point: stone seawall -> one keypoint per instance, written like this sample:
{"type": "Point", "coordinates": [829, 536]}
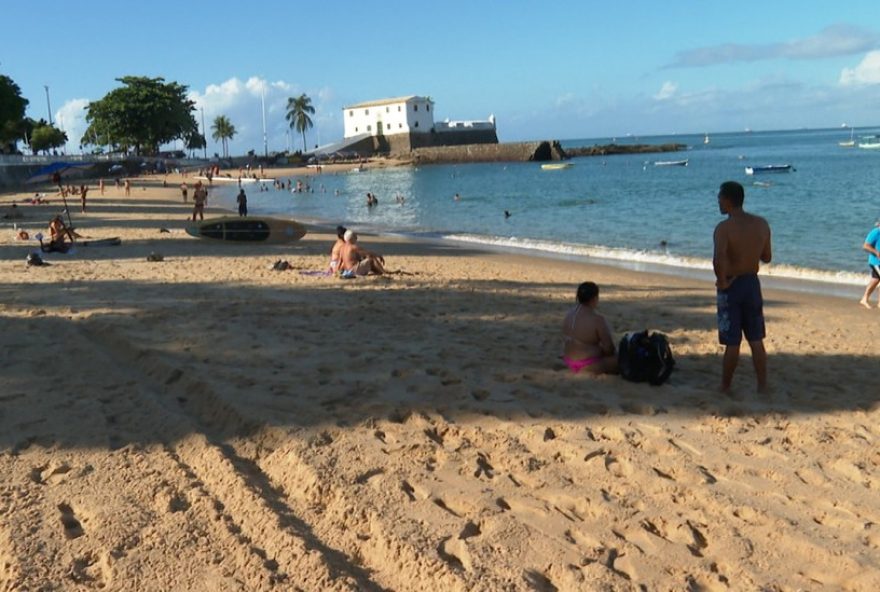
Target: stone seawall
{"type": "Point", "coordinates": [507, 152]}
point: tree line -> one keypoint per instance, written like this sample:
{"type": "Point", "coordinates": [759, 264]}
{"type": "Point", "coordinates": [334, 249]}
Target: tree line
{"type": "Point", "coordinates": [139, 116]}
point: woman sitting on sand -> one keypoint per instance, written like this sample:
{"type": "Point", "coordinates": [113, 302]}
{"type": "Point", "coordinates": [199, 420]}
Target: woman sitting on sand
{"type": "Point", "coordinates": [588, 341]}
{"type": "Point", "coordinates": [336, 251]}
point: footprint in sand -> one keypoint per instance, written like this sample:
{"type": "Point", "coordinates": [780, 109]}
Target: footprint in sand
{"type": "Point", "coordinates": [72, 527]}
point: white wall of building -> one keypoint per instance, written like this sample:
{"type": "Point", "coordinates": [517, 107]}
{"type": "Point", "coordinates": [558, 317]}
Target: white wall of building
{"type": "Point", "coordinates": [389, 117]}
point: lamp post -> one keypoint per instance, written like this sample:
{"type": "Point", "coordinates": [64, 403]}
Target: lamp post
{"type": "Point", "coordinates": [204, 134]}
{"type": "Point", "coordinates": [263, 105]}
{"type": "Point", "coordinates": [48, 106]}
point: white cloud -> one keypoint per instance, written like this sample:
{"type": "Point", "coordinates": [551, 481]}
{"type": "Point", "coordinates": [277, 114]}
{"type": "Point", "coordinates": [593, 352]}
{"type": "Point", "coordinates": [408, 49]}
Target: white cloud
{"type": "Point", "coordinates": [241, 102]}
{"type": "Point", "coordinates": [867, 72]}
{"type": "Point", "coordinates": [667, 91]}
{"type": "Point", "coordinates": [71, 118]}
{"type": "Point", "coordinates": [832, 41]}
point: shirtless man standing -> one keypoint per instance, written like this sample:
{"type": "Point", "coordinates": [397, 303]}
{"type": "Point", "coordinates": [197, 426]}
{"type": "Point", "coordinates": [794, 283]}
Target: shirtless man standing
{"type": "Point", "coordinates": [358, 260]}
{"type": "Point", "coordinates": [742, 242]}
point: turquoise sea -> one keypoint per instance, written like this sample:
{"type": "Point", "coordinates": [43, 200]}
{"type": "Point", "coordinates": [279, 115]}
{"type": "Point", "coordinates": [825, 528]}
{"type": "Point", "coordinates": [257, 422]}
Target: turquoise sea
{"type": "Point", "coordinates": [622, 207]}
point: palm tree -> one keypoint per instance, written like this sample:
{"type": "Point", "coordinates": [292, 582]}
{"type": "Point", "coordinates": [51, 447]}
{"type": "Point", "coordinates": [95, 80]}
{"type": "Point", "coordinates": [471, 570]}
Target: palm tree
{"type": "Point", "coordinates": [298, 111]}
{"type": "Point", "coordinates": [223, 130]}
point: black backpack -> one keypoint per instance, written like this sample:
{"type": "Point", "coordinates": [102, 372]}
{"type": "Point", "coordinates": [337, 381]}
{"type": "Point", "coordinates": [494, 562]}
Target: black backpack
{"type": "Point", "coordinates": [645, 358]}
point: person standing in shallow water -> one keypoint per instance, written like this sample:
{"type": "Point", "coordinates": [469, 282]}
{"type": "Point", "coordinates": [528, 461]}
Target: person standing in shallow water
{"type": "Point", "coordinates": [242, 203]}
{"type": "Point", "coordinates": [742, 243]}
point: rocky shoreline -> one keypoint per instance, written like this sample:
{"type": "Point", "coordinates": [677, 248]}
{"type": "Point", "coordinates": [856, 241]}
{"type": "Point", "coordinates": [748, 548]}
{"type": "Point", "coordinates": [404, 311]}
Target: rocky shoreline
{"type": "Point", "coordinates": [609, 149]}
{"type": "Point", "coordinates": [537, 151]}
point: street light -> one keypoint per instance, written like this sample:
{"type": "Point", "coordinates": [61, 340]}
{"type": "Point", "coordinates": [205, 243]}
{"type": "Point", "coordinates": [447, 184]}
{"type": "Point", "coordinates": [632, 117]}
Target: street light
{"type": "Point", "coordinates": [48, 106]}
{"type": "Point", "coordinates": [204, 134]}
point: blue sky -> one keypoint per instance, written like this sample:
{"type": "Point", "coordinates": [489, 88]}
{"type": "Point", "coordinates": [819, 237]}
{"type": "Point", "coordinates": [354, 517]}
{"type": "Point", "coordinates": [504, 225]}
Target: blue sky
{"type": "Point", "coordinates": [546, 71]}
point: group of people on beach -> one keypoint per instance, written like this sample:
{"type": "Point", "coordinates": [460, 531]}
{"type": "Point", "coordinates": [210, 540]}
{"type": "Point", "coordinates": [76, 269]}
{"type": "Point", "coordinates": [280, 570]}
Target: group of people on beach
{"type": "Point", "coordinates": [742, 243]}
{"type": "Point", "coordinates": [348, 259]}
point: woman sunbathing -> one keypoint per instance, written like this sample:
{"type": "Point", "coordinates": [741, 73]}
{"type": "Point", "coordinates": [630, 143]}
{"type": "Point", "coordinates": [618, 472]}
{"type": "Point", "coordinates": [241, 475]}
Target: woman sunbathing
{"type": "Point", "coordinates": [587, 335]}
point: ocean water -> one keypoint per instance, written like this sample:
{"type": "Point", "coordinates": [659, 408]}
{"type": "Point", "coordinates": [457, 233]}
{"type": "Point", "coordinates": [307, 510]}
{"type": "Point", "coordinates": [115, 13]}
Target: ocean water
{"type": "Point", "coordinates": [622, 207]}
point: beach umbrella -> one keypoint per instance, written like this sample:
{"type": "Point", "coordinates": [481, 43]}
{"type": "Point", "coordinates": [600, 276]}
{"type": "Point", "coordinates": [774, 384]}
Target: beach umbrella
{"type": "Point", "coordinates": [64, 169]}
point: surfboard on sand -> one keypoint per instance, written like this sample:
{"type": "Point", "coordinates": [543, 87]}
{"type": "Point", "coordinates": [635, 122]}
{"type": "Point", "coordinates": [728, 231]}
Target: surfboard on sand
{"type": "Point", "coordinates": [248, 230]}
{"type": "Point", "coordinates": [101, 242]}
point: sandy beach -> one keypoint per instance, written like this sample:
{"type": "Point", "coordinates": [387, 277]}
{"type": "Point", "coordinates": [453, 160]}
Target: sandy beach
{"type": "Point", "coordinates": [208, 423]}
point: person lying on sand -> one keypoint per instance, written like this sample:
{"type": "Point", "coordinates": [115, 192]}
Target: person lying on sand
{"type": "Point", "coordinates": [588, 343]}
{"type": "Point", "coordinates": [358, 260]}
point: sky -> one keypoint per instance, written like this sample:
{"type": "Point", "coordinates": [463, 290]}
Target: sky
{"type": "Point", "coordinates": [561, 70]}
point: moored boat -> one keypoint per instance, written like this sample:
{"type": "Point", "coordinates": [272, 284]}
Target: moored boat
{"type": "Point", "coordinates": [770, 168]}
{"type": "Point", "coordinates": [556, 166]}
{"type": "Point", "coordinates": [671, 162]}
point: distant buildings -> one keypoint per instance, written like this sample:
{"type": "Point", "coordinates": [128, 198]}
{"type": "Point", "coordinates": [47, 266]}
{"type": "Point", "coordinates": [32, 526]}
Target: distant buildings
{"type": "Point", "coordinates": [403, 123]}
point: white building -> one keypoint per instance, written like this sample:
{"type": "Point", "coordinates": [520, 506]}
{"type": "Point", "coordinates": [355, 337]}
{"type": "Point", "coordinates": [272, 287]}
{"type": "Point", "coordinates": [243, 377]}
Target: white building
{"type": "Point", "coordinates": [400, 115]}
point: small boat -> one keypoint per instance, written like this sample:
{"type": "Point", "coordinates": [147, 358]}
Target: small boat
{"type": "Point", "coordinates": [869, 143]}
{"type": "Point", "coordinates": [706, 139]}
{"type": "Point", "coordinates": [770, 168]}
{"type": "Point", "coordinates": [671, 162]}
{"type": "Point", "coordinates": [248, 230]}
{"type": "Point", "coordinates": [848, 143]}
{"type": "Point", "coordinates": [556, 166]}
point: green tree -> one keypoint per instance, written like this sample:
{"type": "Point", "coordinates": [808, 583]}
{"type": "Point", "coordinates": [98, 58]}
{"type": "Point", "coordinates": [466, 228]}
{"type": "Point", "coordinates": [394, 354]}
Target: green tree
{"type": "Point", "coordinates": [12, 107]}
{"type": "Point", "coordinates": [298, 111]}
{"type": "Point", "coordinates": [46, 136]}
{"type": "Point", "coordinates": [195, 141]}
{"type": "Point", "coordinates": [223, 130]}
{"type": "Point", "coordinates": [143, 114]}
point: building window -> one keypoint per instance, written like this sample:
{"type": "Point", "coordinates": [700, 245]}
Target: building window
{"type": "Point", "coordinates": [369, 128]}
{"type": "Point", "coordinates": [387, 109]}
{"type": "Point", "coordinates": [387, 126]}
{"type": "Point", "coordinates": [398, 108]}
{"type": "Point", "coordinates": [416, 124]}
{"type": "Point", "coordinates": [400, 126]}
{"type": "Point", "coordinates": [415, 107]}
{"type": "Point", "coordinates": [351, 113]}
{"type": "Point", "coordinates": [427, 107]}
{"type": "Point", "coordinates": [355, 130]}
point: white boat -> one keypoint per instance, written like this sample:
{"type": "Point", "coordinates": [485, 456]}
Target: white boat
{"type": "Point", "coordinates": [851, 142]}
{"type": "Point", "coordinates": [706, 139]}
{"type": "Point", "coordinates": [671, 162]}
{"type": "Point", "coordinates": [770, 168]}
{"type": "Point", "coordinates": [869, 142]}
{"type": "Point", "coordinates": [556, 166]}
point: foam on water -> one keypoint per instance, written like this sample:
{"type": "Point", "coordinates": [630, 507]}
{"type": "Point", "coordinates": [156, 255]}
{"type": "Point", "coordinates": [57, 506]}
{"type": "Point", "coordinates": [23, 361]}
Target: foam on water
{"type": "Point", "coordinates": [647, 258]}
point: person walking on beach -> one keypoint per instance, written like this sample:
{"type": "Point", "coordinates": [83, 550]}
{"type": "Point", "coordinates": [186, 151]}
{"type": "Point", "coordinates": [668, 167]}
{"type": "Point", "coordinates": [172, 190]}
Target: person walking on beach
{"type": "Point", "coordinates": [242, 203]}
{"type": "Point", "coordinates": [184, 191]}
{"type": "Point", "coordinates": [127, 187]}
{"type": "Point", "coordinates": [872, 245]}
{"type": "Point", "coordinates": [82, 196]}
{"type": "Point", "coordinates": [101, 186]}
{"type": "Point", "coordinates": [200, 198]}
{"type": "Point", "coordinates": [742, 242]}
